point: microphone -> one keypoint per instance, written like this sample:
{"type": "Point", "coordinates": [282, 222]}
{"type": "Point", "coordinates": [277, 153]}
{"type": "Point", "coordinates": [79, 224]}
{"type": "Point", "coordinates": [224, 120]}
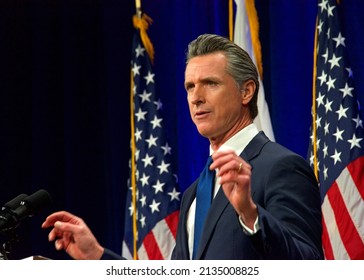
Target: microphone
{"type": "Point", "coordinates": [13, 204]}
{"type": "Point", "coordinates": [22, 206]}
{"type": "Point", "coordinates": [8, 208]}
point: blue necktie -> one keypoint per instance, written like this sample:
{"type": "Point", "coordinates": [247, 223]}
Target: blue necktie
{"type": "Point", "coordinates": [203, 201]}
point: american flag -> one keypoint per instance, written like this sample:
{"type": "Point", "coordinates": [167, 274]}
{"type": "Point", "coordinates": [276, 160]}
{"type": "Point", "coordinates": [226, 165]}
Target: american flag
{"type": "Point", "coordinates": [153, 203]}
{"type": "Point", "coordinates": [337, 146]}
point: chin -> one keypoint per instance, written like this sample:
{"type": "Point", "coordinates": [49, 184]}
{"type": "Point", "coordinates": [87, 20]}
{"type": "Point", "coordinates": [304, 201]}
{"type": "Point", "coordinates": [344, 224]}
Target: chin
{"type": "Point", "coordinates": [204, 133]}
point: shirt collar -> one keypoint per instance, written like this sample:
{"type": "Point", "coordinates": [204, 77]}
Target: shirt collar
{"type": "Point", "coordinates": [240, 140]}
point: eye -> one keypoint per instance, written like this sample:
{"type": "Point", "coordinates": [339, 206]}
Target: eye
{"type": "Point", "coordinates": [211, 84]}
{"type": "Point", "coordinates": [189, 87]}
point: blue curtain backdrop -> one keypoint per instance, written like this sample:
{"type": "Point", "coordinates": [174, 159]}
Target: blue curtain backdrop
{"type": "Point", "coordinates": [64, 96]}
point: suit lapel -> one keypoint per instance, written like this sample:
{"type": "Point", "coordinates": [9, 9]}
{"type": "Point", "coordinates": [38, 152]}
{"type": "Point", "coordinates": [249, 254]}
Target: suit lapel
{"type": "Point", "coordinates": [220, 202]}
{"type": "Point", "coordinates": [218, 205]}
{"type": "Point", "coordinates": [189, 196]}
{"type": "Point", "coordinates": [254, 147]}
{"type": "Point", "coordinates": [253, 150]}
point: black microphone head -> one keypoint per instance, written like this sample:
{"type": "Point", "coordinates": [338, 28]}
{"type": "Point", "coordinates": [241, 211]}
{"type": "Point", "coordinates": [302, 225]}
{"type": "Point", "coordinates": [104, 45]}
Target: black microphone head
{"type": "Point", "coordinates": [15, 202]}
{"type": "Point", "coordinates": [37, 201]}
{"type": "Point", "coordinates": [8, 217]}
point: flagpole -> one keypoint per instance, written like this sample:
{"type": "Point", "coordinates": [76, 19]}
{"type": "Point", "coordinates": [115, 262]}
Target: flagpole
{"type": "Point", "coordinates": [231, 19]}
{"type": "Point", "coordinates": [138, 7]}
{"type": "Point", "coordinates": [133, 150]}
{"type": "Point", "coordinates": [314, 115]}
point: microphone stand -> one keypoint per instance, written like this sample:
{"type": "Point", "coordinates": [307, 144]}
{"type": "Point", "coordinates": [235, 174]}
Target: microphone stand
{"type": "Point", "coordinates": [7, 243]}
{"type": "Point", "coordinates": [3, 255]}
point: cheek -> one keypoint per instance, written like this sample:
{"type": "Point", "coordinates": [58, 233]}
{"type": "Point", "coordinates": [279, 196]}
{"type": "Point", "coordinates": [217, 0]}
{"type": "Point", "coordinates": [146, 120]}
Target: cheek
{"type": "Point", "coordinates": [228, 106]}
{"type": "Point", "coordinates": [189, 101]}
{"type": "Point", "coordinates": [227, 112]}
{"type": "Point", "coordinates": [190, 106]}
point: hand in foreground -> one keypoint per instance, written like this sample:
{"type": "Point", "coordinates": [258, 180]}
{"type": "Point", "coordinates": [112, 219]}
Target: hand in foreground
{"type": "Point", "coordinates": [234, 175]}
{"type": "Point", "coordinates": [73, 235]}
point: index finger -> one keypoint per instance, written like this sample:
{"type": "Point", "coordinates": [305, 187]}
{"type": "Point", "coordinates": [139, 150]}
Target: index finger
{"type": "Point", "coordinates": [222, 157]}
{"type": "Point", "coordinates": [62, 216]}
{"type": "Point", "coordinates": [222, 152]}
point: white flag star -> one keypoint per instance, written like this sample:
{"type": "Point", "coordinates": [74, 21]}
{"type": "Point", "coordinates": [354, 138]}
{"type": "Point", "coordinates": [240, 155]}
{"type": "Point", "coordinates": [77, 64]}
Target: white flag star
{"type": "Point", "coordinates": [142, 221]}
{"type": "Point", "coordinates": [328, 105]}
{"type": "Point", "coordinates": [342, 112]}
{"type": "Point", "coordinates": [336, 157]}
{"type": "Point", "coordinates": [158, 187]}
{"type": "Point", "coordinates": [149, 78]}
{"type": "Point", "coordinates": [330, 83]}
{"type": "Point", "coordinates": [339, 40]}
{"type": "Point", "coordinates": [320, 100]}
{"type": "Point", "coordinates": [138, 134]}
{"type": "Point", "coordinates": [145, 96]}
{"type": "Point", "coordinates": [174, 194]}
{"type": "Point", "coordinates": [143, 200]}
{"type": "Point", "coordinates": [334, 61]}
{"type": "Point", "coordinates": [346, 90]}
{"type": "Point", "coordinates": [156, 122]}
{"type": "Point", "coordinates": [322, 78]}
{"type": "Point", "coordinates": [163, 167]}
{"type": "Point", "coordinates": [135, 69]}
{"type": "Point", "coordinates": [147, 160]}
{"type": "Point", "coordinates": [354, 142]}
{"type": "Point", "coordinates": [139, 51]}
{"type": "Point", "coordinates": [152, 141]}
{"type": "Point", "coordinates": [141, 115]}
{"type": "Point", "coordinates": [338, 134]}
{"type": "Point", "coordinates": [144, 180]}
{"type": "Point", "coordinates": [154, 206]}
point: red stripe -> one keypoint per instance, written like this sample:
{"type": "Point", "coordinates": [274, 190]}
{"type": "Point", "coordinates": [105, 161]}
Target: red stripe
{"type": "Point", "coordinates": [150, 243]}
{"type": "Point", "coordinates": [172, 222]}
{"type": "Point", "coordinates": [356, 170]}
{"type": "Point", "coordinates": [152, 248]}
{"type": "Point", "coordinates": [326, 244]}
{"type": "Point", "coordinates": [349, 235]}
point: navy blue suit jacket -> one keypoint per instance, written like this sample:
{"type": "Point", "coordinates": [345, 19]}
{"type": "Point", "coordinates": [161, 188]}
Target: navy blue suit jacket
{"type": "Point", "coordinates": [287, 195]}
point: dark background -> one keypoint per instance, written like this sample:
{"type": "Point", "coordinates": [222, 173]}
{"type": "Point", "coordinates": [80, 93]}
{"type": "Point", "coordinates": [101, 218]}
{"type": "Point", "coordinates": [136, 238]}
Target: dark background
{"type": "Point", "coordinates": [64, 96]}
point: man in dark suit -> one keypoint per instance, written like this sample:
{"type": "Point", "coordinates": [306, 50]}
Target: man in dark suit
{"type": "Point", "coordinates": [265, 200]}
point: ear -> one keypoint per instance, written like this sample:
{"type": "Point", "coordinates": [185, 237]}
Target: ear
{"type": "Point", "coordinates": [247, 90]}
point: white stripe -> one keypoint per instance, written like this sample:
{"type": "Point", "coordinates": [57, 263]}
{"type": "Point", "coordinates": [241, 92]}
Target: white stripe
{"type": "Point", "coordinates": [242, 37]}
{"type": "Point", "coordinates": [353, 200]}
{"type": "Point", "coordinates": [164, 239]}
{"type": "Point", "coordinates": [142, 253]}
{"type": "Point", "coordinates": [337, 245]}
{"type": "Point", "coordinates": [125, 252]}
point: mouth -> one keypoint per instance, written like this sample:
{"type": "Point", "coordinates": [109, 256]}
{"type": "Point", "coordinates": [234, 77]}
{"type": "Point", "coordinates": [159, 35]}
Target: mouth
{"type": "Point", "coordinates": [201, 114]}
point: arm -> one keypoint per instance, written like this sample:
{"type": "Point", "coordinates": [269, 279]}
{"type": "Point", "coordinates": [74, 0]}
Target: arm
{"type": "Point", "coordinates": [286, 202]}
{"type": "Point", "coordinates": [73, 235]}
{"type": "Point", "coordinates": [290, 211]}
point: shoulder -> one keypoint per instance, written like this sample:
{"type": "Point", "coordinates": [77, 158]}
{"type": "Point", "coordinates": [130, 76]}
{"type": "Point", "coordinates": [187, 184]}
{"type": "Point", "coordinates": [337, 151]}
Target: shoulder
{"type": "Point", "coordinates": [262, 146]}
{"type": "Point", "coordinates": [274, 156]}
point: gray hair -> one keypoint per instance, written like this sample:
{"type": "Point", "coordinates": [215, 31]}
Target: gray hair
{"type": "Point", "coordinates": [239, 64]}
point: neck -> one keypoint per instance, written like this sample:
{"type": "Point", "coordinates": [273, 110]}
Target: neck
{"type": "Point", "coordinates": [217, 142]}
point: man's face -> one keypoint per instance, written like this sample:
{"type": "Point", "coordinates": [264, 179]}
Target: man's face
{"type": "Point", "coordinates": [214, 98]}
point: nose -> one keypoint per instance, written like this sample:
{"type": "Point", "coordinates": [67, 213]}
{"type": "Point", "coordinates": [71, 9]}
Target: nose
{"type": "Point", "coordinates": [197, 95]}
